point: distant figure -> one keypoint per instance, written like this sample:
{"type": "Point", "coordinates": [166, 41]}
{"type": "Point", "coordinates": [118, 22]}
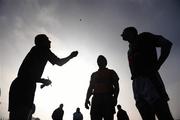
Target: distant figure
{"type": "Point", "coordinates": [149, 90]}
{"type": "Point", "coordinates": [77, 115]}
{"type": "Point", "coordinates": [58, 113]}
{"type": "Point", "coordinates": [0, 95]}
{"type": "Point", "coordinates": [22, 89]}
{"type": "Point", "coordinates": [36, 119]}
{"type": "Point", "coordinates": [104, 87]}
{"type": "Point", "coordinates": [121, 114]}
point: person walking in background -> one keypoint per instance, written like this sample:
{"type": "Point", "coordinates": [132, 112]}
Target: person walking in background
{"type": "Point", "coordinates": [0, 95]}
{"type": "Point", "coordinates": [58, 113]}
{"type": "Point", "coordinates": [22, 89]}
{"type": "Point", "coordinates": [104, 87]}
{"type": "Point", "coordinates": [148, 88]}
{"type": "Point", "coordinates": [121, 114]}
{"type": "Point", "coordinates": [77, 115]}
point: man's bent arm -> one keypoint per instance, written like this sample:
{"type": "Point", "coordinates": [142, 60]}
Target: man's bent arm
{"type": "Point", "coordinates": [165, 50]}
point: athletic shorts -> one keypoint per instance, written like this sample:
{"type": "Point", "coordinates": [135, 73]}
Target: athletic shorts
{"type": "Point", "coordinates": [144, 89]}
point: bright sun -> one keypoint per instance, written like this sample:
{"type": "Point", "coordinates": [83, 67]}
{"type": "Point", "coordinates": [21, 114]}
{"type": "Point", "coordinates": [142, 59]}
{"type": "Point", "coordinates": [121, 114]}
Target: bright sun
{"type": "Point", "coordinates": [69, 86]}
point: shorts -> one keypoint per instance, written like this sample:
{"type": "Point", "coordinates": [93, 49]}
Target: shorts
{"type": "Point", "coordinates": [102, 105]}
{"type": "Point", "coordinates": [144, 89]}
{"type": "Point", "coordinates": [21, 94]}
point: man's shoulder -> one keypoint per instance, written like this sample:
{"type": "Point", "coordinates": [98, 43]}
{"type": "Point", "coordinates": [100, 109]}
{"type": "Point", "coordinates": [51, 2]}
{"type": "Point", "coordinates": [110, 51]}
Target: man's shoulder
{"type": "Point", "coordinates": [122, 111]}
{"type": "Point", "coordinates": [111, 70]}
{"type": "Point", "coordinates": [94, 73]}
{"type": "Point", "coordinates": [106, 70]}
{"type": "Point", "coordinates": [145, 35]}
{"type": "Point", "coordinates": [40, 50]}
{"type": "Point", "coordinates": [58, 109]}
{"type": "Point", "coordinates": [146, 38]}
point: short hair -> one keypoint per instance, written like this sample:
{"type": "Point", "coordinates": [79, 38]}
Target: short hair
{"type": "Point", "coordinates": [78, 109]}
{"type": "Point", "coordinates": [61, 105]}
{"type": "Point", "coordinates": [40, 39]}
{"type": "Point", "coordinates": [132, 30]}
{"type": "Point", "coordinates": [101, 61]}
{"type": "Point", "coordinates": [119, 106]}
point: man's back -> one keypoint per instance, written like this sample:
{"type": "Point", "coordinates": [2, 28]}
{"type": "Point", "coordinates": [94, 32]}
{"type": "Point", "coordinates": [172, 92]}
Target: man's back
{"type": "Point", "coordinates": [122, 115]}
{"type": "Point", "coordinates": [142, 54]}
{"type": "Point", "coordinates": [34, 63]}
{"type": "Point", "coordinates": [58, 114]}
{"type": "Point", "coordinates": [77, 116]}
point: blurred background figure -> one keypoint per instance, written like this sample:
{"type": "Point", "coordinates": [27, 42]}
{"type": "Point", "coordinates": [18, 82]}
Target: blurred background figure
{"type": "Point", "coordinates": [58, 113]}
{"type": "Point", "coordinates": [121, 114]}
{"type": "Point", "coordinates": [0, 95]}
{"type": "Point", "coordinates": [77, 115]}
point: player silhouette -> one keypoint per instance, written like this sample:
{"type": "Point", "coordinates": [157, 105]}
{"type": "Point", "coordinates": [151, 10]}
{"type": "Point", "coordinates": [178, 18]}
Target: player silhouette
{"type": "Point", "coordinates": [22, 89]}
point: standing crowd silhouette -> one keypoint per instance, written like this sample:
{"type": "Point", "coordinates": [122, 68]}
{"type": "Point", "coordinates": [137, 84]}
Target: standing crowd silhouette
{"type": "Point", "coordinates": [102, 94]}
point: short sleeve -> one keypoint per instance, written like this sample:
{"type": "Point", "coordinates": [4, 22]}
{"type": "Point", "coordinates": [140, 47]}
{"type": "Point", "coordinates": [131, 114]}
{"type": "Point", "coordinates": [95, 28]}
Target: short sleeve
{"type": "Point", "coordinates": [114, 76]}
{"type": "Point", "coordinates": [155, 40]}
{"type": "Point", "coordinates": [92, 80]}
{"type": "Point", "coordinates": [161, 41]}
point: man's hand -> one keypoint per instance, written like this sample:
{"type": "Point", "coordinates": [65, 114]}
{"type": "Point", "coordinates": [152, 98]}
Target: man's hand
{"type": "Point", "coordinates": [87, 104]}
{"type": "Point", "coordinates": [46, 82]}
{"type": "Point", "coordinates": [74, 54]}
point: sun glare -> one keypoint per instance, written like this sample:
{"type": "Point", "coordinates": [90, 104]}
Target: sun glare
{"type": "Point", "coordinates": [69, 86]}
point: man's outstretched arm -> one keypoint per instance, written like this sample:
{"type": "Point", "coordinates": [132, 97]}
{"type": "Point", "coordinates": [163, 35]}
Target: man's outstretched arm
{"type": "Point", "coordinates": [63, 61]}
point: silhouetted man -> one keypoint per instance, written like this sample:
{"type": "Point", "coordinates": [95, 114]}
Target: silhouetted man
{"type": "Point", "coordinates": [121, 114]}
{"type": "Point", "coordinates": [104, 87]}
{"type": "Point", "coordinates": [77, 115]}
{"type": "Point", "coordinates": [0, 95]}
{"type": "Point", "coordinates": [22, 90]}
{"type": "Point", "coordinates": [149, 91]}
{"type": "Point", "coordinates": [58, 113]}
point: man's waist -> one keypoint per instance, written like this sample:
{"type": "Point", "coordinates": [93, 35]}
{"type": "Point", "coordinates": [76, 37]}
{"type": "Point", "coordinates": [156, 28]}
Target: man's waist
{"type": "Point", "coordinates": [103, 88]}
{"type": "Point", "coordinates": [140, 75]}
{"type": "Point", "coordinates": [102, 94]}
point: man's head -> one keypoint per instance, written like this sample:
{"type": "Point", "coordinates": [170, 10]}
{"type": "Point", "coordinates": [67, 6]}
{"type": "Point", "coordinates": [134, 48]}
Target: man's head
{"type": "Point", "coordinates": [61, 106]}
{"type": "Point", "coordinates": [41, 40]}
{"type": "Point", "coordinates": [118, 107]}
{"type": "Point", "coordinates": [101, 61]}
{"type": "Point", "coordinates": [78, 109]}
{"type": "Point", "coordinates": [129, 34]}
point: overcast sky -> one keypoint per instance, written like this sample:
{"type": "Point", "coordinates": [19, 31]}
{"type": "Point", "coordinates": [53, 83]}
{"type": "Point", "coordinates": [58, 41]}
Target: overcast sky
{"type": "Point", "coordinates": [92, 27]}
